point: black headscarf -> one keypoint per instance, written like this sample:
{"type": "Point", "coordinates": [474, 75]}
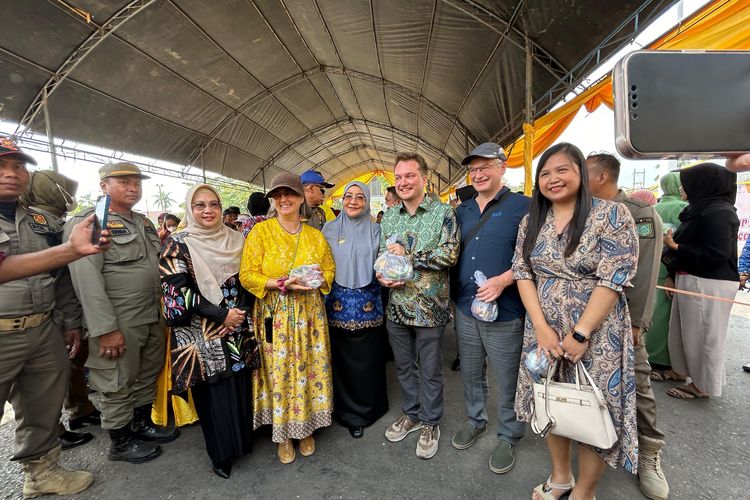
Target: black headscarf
{"type": "Point", "coordinates": [707, 184]}
{"type": "Point", "coordinates": [258, 204]}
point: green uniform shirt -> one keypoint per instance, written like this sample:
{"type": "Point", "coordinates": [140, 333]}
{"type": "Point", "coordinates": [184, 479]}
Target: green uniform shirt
{"type": "Point", "coordinates": [432, 238]}
{"type": "Point", "coordinates": [649, 226]}
{"type": "Point", "coordinates": [120, 287]}
{"type": "Point", "coordinates": [32, 231]}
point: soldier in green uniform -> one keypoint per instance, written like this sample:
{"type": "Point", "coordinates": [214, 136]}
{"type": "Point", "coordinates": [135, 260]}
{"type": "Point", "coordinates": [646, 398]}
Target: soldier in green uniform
{"type": "Point", "coordinates": [604, 172]}
{"type": "Point", "coordinates": [120, 293]}
{"type": "Point", "coordinates": [33, 359]}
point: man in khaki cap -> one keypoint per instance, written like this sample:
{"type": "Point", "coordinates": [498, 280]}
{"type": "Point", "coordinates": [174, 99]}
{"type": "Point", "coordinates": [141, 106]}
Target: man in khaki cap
{"type": "Point", "coordinates": [33, 359]}
{"type": "Point", "coordinates": [120, 293]}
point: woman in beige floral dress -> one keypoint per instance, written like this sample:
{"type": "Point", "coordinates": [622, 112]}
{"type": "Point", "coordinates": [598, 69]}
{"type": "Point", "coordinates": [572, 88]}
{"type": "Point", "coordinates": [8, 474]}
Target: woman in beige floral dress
{"type": "Point", "coordinates": [574, 255]}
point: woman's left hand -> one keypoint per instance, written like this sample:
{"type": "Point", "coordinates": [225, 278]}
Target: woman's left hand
{"type": "Point", "coordinates": [573, 349]}
{"type": "Point", "coordinates": [294, 285]}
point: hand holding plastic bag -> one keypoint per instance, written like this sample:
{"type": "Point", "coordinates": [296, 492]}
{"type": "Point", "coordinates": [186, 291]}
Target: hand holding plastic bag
{"type": "Point", "coordinates": [483, 311]}
{"type": "Point", "coordinates": [308, 275]}
{"type": "Point", "coordinates": [537, 365]}
{"type": "Point", "coordinates": [394, 267]}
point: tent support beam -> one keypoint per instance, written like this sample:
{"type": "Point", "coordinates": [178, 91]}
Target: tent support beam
{"type": "Point", "coordinates": [101, 32]}
{"type": "Point", "coordinates": [31, 143]}
{"type": "Point", "coordinates": [507, 31]}
{"type": "Point", "coordinates": [48, 128]}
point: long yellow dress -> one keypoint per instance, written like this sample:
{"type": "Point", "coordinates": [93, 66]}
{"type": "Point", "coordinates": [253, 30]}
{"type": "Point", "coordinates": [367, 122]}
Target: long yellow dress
{"type": "Point", "coordinates": [292, 390]}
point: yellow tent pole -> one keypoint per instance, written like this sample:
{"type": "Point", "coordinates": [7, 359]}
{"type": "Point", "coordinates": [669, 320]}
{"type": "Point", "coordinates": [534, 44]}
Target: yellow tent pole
{"type": "Point", "coordinates": [528, 157]}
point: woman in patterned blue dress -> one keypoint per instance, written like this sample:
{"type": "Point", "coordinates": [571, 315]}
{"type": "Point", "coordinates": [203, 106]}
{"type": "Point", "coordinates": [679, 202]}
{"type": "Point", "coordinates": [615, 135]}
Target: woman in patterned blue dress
{"type": "Point", "coordinates": [355, 315]}
{"type": "Point", "coordinates": [574, 255]}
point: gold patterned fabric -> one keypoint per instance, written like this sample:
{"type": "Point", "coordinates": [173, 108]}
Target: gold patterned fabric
{"type": "Point", "coordinates": [292, 390]}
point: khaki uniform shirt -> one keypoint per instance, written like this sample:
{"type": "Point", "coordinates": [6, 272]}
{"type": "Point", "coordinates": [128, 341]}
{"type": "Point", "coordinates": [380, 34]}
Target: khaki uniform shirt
{"type": "Point", "coordinates": [32, 231]}
{"type": "Point", "coordinates": [641, 296]}
{"type": "Point", "coordinates": [120, 287]}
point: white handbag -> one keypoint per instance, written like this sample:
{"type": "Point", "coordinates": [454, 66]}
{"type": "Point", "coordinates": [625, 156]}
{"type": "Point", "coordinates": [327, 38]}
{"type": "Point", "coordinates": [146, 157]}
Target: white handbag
{"type": "Point", "coordinates": [575, 411]}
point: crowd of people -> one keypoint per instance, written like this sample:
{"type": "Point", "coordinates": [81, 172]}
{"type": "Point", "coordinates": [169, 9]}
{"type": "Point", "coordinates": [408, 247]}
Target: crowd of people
{"type": "Point", "coordinates": [278, 318]}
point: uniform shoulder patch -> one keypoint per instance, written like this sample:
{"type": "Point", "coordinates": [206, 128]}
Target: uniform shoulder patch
{"type": "Point", "coordinates": [645, 227]}
{"type": "Point", "coordinates": [39, 219]}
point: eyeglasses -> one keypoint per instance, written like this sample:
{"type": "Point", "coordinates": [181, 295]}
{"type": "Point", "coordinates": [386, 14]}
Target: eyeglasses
{"type": "Point", "coordinates": [479, 170]}
{"type": "Point", "coordinates": [200, 206]}
{"type": "Point", "coordinates": [359, 197]}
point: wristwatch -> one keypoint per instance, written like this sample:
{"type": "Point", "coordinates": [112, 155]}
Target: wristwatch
{"type": "Point", "coordinates": [578, 336]}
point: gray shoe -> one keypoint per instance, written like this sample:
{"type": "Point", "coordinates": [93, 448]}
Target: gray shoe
{"type": "Point", "coordinates": [400, 428]}
{"type": "Point", "coordinates": [503, 457]}
{"type": "Point", "coordinates": [467, 436]}
{"type": "Point", "coordinates": [427, 445]}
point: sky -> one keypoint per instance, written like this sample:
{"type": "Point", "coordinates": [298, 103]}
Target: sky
{"type": "Point", "coordinates": [589, 131]}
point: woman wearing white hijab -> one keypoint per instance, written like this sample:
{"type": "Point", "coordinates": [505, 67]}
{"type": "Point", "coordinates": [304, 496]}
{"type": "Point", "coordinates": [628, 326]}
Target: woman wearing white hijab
{"type": "Point", "coordinates": [212, 345]}
{"type": "Point", "coordinates": [355, 315]}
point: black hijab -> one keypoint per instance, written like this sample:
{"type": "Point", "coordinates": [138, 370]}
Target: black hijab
{"type": "Point", "coordinates": [707, 184]}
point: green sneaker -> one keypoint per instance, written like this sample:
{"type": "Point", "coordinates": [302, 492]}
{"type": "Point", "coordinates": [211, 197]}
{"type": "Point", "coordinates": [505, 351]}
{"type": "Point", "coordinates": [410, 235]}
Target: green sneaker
{"type": "Point", "coordinates": [503, 457]}
{"type": "Point", "coordinates": [467, 436]}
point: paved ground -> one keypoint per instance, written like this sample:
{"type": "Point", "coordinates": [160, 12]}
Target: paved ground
{"type": "Point", "coordinates": [706, 455]}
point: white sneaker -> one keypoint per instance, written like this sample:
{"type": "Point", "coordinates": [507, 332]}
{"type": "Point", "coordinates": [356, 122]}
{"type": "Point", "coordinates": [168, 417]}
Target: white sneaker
{"type": "Point", "coordinates": [427, 445]}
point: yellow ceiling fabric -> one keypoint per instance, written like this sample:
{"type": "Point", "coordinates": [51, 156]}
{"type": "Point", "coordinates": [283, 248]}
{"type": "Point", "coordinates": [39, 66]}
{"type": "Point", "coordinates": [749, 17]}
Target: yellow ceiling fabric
{"type": "Point", "coordinates": [721, 25]}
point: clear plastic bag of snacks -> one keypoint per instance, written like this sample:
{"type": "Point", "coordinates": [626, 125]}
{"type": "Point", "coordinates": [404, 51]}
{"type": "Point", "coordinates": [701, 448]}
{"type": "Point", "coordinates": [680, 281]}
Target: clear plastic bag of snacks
{"type": "Point", "coordinates": [394, 267]}
{"type": "Point", "coordinates": [537, 364]}
{"type": "Point", "coordinates": [483, 311]}
{"type": "Point", "coordinates": [308, 275]}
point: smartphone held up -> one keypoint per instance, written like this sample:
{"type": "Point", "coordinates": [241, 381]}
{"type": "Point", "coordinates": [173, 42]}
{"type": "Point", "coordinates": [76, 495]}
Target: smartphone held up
{"type": "Point", "coordinates": [682, 104]}
{"type": "Point", "coordinates": [101, 212]}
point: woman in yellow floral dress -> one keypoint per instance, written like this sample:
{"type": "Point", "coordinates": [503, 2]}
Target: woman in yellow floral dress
{"type": "Point", "coordinates": [292, 390]}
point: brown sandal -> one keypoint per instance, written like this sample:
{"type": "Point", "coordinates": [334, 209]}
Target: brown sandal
{"type": "Point", "coordinates": [685, 392]}
{"type": "Point", "coordinates": [665, 375]}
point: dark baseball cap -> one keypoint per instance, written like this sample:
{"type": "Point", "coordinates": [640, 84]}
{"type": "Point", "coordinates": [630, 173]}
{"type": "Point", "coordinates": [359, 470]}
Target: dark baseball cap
{"type": "Point", "coordinates": [231, 210]}
{"type": "Point", "coordinates": [486, 150]}
{"type": "Point", "coordinates": [9, 148]}
{"type": "Point", "coordinates": [315, 177]}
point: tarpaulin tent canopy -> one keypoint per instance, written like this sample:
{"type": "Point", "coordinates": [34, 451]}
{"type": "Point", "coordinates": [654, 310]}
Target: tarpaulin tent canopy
{"type": "Point", "coordinates": [247, 88]}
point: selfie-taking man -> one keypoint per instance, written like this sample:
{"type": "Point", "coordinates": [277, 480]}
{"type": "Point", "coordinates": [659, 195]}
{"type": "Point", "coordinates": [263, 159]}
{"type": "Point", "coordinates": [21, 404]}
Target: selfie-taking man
{"type": "Point", "coordinates": [33, 355]}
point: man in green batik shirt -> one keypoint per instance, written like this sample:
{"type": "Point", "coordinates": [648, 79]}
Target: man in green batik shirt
{"type": "Point", "coordinates": [418, 310]}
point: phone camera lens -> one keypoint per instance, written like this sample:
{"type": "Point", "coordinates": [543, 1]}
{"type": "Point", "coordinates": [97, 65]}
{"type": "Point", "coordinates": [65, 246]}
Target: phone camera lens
{"type": "Point", "coordinates": [634, 96]}
{"type": "Point", "coordinates": [635, 116]}
{"type": "Point", "coordinates": [633, 105]}
{"type": "Point", "coordinates": [633, 88]}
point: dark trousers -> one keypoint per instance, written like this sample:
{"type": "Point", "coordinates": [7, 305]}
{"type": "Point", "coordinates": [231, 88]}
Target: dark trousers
{"type": "Point", "coordinates": [418, 355]}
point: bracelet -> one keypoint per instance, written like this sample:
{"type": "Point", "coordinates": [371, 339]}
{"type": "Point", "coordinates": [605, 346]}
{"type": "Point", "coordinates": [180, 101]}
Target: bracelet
{"type": "Point", "coordinates": [280, 282]}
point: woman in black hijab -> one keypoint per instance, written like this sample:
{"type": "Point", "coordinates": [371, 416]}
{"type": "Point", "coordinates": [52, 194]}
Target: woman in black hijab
{"type": "Point", "coordinates": [701, 257]}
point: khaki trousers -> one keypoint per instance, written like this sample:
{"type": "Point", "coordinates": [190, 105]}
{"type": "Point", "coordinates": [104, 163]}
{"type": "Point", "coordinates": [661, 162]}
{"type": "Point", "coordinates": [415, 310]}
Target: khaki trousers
{"type": "Point", "coordinates": [130, 381]}
{"type": "Point", "coordinates": [33, 363]}
{"type": "Point", "coordinates": [644, 394]}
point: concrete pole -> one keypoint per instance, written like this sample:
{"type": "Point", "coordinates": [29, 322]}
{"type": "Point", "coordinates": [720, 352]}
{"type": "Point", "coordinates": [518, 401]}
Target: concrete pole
{"type": "Point", "coordinates": [48, 127]}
